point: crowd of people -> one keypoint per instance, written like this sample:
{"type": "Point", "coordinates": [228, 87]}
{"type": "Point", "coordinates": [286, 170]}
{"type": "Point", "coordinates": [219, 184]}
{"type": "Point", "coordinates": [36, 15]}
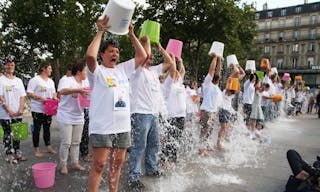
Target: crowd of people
{"type": "Point", "coordinates": [131, 101]}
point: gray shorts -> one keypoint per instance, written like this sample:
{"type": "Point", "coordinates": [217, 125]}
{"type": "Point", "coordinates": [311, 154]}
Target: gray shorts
{"type": "Point", "coordinates": [119, 140]}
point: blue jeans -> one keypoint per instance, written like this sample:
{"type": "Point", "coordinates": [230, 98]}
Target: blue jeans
{"type": "Point", "coordinates": [145, 138]}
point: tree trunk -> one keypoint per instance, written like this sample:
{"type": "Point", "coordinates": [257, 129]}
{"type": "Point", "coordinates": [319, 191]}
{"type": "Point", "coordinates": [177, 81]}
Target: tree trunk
{"type": "Point", "coordinates": [56, 70]}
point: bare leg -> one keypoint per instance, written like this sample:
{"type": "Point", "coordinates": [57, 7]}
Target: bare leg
{"type": "Point", "coordinates": [221, 135]}
{"type": "Point", "coordinates": [99, 156]}
{"type": "Point", "coordinates": [117, 158]}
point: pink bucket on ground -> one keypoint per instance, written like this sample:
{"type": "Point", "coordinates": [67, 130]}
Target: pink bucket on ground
{"type": "Point", "coordinates": [286, 76]}
{"type": "Point", "coordinates": [175, 46]}
{"type": "Point", "coordinates": [51, 106]}
{"type": "Point", "coordinates": [44, 174]}
{"type": "Point", "coordinates": [84, 99]}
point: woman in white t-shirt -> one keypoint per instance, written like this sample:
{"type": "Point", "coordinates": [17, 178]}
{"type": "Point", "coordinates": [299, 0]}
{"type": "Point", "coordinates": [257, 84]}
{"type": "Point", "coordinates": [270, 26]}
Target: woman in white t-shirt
{"type": "Point", "coordinates": [70, 117]}
{"type": "Point", "coordinates": [192, 100]}
{"type": "Point", "coordinates": [40, 88]}
{"type": "Point", "coordinates": [109, 126]}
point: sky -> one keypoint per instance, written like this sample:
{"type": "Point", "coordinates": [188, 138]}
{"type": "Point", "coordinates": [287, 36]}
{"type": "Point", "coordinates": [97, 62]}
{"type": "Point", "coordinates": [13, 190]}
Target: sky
{"type": "Point", "coordinates": [272, 4]}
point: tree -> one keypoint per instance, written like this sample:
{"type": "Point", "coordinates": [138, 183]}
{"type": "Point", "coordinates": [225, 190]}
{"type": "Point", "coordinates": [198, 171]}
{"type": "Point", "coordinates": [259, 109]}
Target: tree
{"type": "Point", "coordinates": [200, 22]}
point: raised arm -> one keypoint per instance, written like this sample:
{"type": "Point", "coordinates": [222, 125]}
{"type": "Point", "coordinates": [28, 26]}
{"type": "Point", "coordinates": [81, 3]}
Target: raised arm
{"type": "Point", "coordinates": [93, 49]}
{"type": "Point", "coordinates": [147, 46]}
{"type": "Point", "coordinates": [181, 69]}
{"type": "Point", "coordinates": [213, 65]}
{"type": "Point", "coordinates": [242, 72]}
{"type": "Point", "coordinates": [168, 60]}
{"type": "Point", "coordinates": [140, 53]}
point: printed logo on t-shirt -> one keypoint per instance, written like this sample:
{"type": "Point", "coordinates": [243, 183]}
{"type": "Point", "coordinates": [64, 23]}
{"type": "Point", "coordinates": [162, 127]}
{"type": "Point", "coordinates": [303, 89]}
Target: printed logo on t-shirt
{"type": "Point", "coordinates": [120, 99]}
{"type": "Point", "coordinates": [110, 82]}
{"type": "Point", "coordinates": [8, 87]}
{"type": "Point", "coordinates": [179, 90]}
{"type": "Point", "coordinates": [43, 89]}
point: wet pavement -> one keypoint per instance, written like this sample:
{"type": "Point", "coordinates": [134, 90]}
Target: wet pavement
{"type": "Point", "coordinates": [246, 166]}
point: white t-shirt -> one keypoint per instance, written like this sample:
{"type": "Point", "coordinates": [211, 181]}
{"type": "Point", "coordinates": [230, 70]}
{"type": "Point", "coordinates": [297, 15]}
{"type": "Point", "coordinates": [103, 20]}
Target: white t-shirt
{"type": "Point", "coordinates": [43, 88]}
{"type": "Point", "coordinates": [175, 97]}
{"type": "Point", "coordinates": [12, 90]}
{"type": "Point", "coordinates": [69, 109]}
{"type": "Point", "coordinates": [226, 102]}
{"type": "Point", "coordinates": [145, 90]}
{"type": "Point", "coordinates": [109, 99]}
{"type": "Point", "coordinates": [192, 107]}
{"type": "Point", "coordinates": [248, 94]}
{"type": "Point", "coordinates": [264, 102]}
{"type": "Point", "coordinates": [299, 96]}
{"type": "Point", "coordinates": [212, 95]}
{"type": "Point", "coordinates": [272, 89]}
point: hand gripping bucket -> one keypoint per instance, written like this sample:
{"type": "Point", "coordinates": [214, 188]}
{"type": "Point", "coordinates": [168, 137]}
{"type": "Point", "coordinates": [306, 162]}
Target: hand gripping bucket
{"type": "Point", "coordinates": [217, 47]}
{"type": "Point", "coordinates": [276, 98]}
{"type": "Point", "coordinates": [44, 174]}
{"type": "Point", "coordinates": [51, 106]}
{"type": "Point", "coordinates": [233, 84]}
{"type": "Point", "coordinates": [251, 64]}
{"type": "Point", "coordinates": [298, 78]}
{"type": "Point", "coordinates": [152, 30]}
{"type": "Point", "coordinates": [286, 76]}
{"type": "Point", "coordinates": [19, 131]}
{"type": "Point", "coordinates": [84, 100]}
{"type": "Point", "coordinates": [232, 59]}
{"type": "Point", "coordinates": [175, 46]}
{"type": "Point", "coordinates": [120, 13]}
{"type": "Point", "coordinates": [260, 75]}
{"type": "Point", "coordinates": [264, 63]}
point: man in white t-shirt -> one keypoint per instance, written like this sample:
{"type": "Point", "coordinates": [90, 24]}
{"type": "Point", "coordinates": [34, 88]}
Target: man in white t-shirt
{"type": "Point", "coordinates": [145, 95]}
{"type": "Point", "coordinates": [248, 96]}
{"type": "Point", "coordinates": [12, 96]}
{"type": "Point", "coordinates": [109, 126]}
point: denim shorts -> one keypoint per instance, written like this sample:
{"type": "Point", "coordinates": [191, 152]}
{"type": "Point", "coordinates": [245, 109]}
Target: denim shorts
{"type": "Point", "coordinates": [119, 140]}
{"type": "Point", "coordinates": [224, 116]}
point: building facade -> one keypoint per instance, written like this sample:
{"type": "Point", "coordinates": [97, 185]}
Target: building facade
{"type": "Point", "coordinates": [290, 38]}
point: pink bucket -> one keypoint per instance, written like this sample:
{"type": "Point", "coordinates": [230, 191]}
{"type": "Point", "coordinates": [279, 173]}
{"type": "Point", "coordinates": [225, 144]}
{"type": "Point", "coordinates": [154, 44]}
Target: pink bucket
{"type": "Point", "coordinates": [286, 76]}
{"type": "Point", "coordinates": [175, 46]}
{"type": "Point", "coordinates": [83, 99]}
{"type": "Point", "coordinates": [44, 174]}
{"type": "Point", "coordinates": [51, 106]}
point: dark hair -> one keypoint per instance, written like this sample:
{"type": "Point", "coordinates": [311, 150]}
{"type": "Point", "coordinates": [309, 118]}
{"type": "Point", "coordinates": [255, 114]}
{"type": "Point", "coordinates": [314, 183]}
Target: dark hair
{"type": "Point", "coordinates": [216, 78]}
{"type": "Point", "coordinates": [106, 43]}
{"type": "Point", "coordinates": [43, 66]}
{"type": "Point", "coordinates": [78, 65]}
{"type": "Point", "coordinates": [251, 77]}
{"type": "Point", "coordinates": [69, 67]}
{"type": "Point", "coordinates": [266, 85]}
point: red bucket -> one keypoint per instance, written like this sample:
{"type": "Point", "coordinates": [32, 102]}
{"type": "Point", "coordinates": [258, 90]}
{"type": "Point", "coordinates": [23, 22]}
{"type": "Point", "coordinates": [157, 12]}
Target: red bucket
{"type": "Point", "coordinates": [175, 46]}
{"type": "Point", "coordinates": [51, 106]}
{"type": "Point", "coordinates": [44, 174]}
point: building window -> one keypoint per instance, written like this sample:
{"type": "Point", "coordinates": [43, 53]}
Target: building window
{"type": "Point", "coordinates": [297, 21]}
{"type": "Point", "coordinates": [295, 48]}
{"type": "Point", "coordinates": [296, 35]}
{"type": "Point", "coordinates": [313, 33]}
{"type": "Point", "coordinates": [280, 63]}
{"type": "Point", "coordinates": [313, 19]}
{"type": "Point", "coordinates": [294, 62]}
{"type": "Point", "coordinates": [267, 36]}
{"type": "Point", "coordinates": [310, 61]}
{"type": "Point", "coordinates": [269, 13]}
{"type": "Point", "coordinates": [257, 15]}
{"type": "Point", "coordinates": [267, 49]}
{"type": "Point", "coordinates": [283, 12]}
{"type": "Point", "coordinates": [282, 23]}
{"type": "Point", "coordinates": [298, 9]}
{"type": "Point", "coordinates": [311, 47]}
{"type": "Point", "coordinates": [281, 36]}
{"type": "Point", "coordinates": [268, 24]}
{"type": "Point", "coordinates": [280, 49]}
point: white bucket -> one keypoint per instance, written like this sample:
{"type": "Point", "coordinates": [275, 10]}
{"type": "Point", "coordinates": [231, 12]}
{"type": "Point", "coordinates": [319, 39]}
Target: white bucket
{"type": "Point", "coordinates": [232, 59]}
{"type": "Point", "coordinates": [274, 70]}
{"type": "Point", "coordinates": [120, 14]}
{"type": "Point", "coordinates": [217, 47]}
{"type": "Point", "coordinates": [251, 64]}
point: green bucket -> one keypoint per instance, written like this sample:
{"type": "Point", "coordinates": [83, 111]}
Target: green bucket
{"type": "Point", "coordinates": [19, 131]}
{"type": "Point", "coordinates": [1, 132]}
{"type": "Point", "coordinates": [152, 30]}
{"type": "Point", "coordinates": [260, 75]}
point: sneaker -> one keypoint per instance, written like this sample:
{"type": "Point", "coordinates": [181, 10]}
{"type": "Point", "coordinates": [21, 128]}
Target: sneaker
{"type": "Point", "coordinates": [136, 186]}
{"type": "Point", "coordinates": [154, 174]}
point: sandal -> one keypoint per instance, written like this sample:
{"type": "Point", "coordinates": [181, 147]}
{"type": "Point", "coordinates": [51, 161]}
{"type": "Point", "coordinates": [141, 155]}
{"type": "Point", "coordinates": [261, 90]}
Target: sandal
{"type": "Point", "coordinates": [11, 159]}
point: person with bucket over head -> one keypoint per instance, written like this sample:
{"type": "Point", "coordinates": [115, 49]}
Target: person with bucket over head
{"type": "Point", "coordinates": [212, 98]}
{"type": "Point", "coordinates": [40, 88]}
{"type": "Point", "coordinates": [145, 92]}
{"type": "Point", "coordinates": [248, 95]}
{"type": "Point", "coordinates": [109, 126]}
{"type": "Point", "coordinates": [12, 97]}
{"type": "Point", "coordinates": [70, 117]}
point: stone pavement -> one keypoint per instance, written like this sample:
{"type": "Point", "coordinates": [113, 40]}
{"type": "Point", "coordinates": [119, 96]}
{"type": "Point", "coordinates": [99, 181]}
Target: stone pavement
{"type": "Point", "coordinates": [245, 166]}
